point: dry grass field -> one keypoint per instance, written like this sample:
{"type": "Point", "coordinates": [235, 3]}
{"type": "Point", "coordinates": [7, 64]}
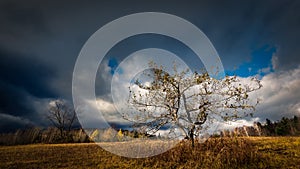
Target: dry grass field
{"type": "Point", "coordinates": [253, 152]}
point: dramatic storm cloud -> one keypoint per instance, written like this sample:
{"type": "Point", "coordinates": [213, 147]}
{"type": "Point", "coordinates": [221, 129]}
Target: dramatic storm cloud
{"type": "Point", "coordinates": [40, 42]}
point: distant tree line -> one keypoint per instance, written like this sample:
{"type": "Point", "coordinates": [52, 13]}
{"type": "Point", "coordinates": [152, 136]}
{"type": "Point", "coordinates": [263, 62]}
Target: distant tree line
{"type": "Point", "coordinates": [49, 135]}
{"type": "Point", "coordinates": [52, 135]}
{"type": "Point", "coordinates": [284, 127]}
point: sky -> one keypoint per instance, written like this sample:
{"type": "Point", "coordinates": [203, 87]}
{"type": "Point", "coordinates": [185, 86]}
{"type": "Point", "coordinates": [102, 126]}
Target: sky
{"type": "Point", "coordinates": [41, 40]}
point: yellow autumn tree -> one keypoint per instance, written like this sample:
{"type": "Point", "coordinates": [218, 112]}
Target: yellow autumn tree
{"type": "Point", "coordinates": [120, 135]}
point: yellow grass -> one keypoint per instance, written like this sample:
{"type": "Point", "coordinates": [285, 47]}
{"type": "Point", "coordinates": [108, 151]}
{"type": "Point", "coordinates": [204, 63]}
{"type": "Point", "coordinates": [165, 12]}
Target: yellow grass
{"type": "Point", "coordinates": [253, 152]}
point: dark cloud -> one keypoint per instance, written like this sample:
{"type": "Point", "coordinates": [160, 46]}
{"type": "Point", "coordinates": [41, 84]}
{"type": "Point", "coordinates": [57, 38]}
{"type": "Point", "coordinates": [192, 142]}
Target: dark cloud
{"type": "Point", "coordinates": [12, 100]}
{"type": "Point", "coordinates": [22, 79]}
{"type": "Point", "coordinates": [22, 17]}
{"type": "Point", "coordinates": [27, 73]}
{"type": "Point", "coordinates": [237, 28]}
{"type": "Point", "coordinates": [6, 122]}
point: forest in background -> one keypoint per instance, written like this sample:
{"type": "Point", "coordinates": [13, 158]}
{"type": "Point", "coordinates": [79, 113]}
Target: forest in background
{"type": "Point", "coordinates": [51, 135]}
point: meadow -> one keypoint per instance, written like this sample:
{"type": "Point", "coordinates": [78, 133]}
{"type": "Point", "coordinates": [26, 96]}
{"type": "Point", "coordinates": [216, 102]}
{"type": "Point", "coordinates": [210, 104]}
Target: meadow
{"type": "Point", "coordinates": [239, 152]}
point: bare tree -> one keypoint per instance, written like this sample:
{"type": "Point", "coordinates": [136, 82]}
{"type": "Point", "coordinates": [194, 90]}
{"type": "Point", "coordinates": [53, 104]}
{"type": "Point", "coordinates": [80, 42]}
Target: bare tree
{"type": "Point", "coordinates": [187, 101]}
{"type": "Point", "coordinates": [62, 117]}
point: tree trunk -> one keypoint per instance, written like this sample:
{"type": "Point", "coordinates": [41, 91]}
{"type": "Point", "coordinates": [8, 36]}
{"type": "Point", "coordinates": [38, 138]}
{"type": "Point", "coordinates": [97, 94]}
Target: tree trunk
{"type": "Point", "coordinates": [61, 130]}
{"type": "Point", "coordinates": [192, 136]}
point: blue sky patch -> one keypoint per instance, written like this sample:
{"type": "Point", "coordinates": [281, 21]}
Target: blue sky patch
{"type": "Point", "coordinates": [260, 63]}
{"type": "Point", "coordinates": [113, 64]}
